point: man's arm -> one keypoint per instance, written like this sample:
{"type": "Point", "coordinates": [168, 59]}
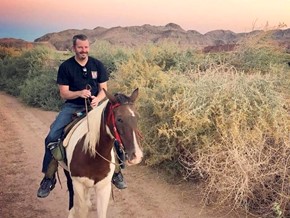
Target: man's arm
{"type": "Point", "coordinates": [66, 94]}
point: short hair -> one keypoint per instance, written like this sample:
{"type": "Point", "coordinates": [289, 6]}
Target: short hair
{"type": "Point", "coordinates": [80, 37]}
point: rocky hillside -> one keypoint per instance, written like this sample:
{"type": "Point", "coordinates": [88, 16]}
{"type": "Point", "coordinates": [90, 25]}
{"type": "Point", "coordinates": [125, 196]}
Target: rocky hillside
{"type": "Point", "coordinates": [136, 35]}
{"type": "Point", "coordinates": [216, 40]}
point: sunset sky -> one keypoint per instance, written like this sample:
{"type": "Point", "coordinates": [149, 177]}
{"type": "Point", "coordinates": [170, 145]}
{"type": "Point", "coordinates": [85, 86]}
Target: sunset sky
{"type": "Point", "coordinates": [30, 19]}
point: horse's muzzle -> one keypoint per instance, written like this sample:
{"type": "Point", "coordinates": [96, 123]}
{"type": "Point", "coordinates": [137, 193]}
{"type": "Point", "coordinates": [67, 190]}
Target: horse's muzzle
{"type": "Point", "coordinates": [134, 158]}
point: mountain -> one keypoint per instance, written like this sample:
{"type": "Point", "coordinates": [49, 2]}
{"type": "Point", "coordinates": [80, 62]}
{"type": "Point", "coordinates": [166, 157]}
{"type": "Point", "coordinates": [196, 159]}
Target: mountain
{"type": "Point", "coordinates": [216, 40]}
{"type": "Point", "coordinates": [137, 35]}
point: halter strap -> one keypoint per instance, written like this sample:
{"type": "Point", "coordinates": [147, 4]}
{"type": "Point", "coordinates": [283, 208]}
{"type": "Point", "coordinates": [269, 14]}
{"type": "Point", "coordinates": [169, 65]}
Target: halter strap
{"type": "Point", "coordinates": [111, 118]}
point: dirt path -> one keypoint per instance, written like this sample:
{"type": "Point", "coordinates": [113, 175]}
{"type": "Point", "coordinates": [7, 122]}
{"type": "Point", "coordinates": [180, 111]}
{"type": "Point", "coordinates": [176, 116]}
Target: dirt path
{"type": "Point", "coordinates": [22, 131]}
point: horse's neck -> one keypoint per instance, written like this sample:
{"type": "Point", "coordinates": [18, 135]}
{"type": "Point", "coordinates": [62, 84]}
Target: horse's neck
{"type": "Point", "coordinates": [92, 128]}
{"type": "Point", "coordinates": [106, 124]}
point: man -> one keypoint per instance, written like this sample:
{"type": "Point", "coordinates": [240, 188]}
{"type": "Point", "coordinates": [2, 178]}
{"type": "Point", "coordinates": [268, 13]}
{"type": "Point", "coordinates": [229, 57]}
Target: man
{"type": "Point", "coordinates": [74, 77]}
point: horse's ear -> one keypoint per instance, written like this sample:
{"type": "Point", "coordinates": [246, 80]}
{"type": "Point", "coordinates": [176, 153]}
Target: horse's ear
{"type": "Point", "coordinates": [134, 95]}
{"type": "Point", "coordinates": [111, 97]}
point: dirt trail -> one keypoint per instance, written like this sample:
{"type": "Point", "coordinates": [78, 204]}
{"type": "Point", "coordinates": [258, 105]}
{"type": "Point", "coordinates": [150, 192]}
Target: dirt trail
{"type": "Point", "coordinates": [22, 131]}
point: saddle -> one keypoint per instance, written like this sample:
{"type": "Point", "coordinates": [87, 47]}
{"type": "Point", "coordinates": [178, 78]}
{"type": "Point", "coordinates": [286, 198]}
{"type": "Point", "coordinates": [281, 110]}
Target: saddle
{"type": "Point", "coordinates": [57, 148]}
{"type": "Point", "coordinates": [76, 118]}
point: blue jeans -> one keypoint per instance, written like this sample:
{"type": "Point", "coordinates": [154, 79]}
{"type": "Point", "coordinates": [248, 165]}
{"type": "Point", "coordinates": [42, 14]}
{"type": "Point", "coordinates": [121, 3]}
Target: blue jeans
{"type": "Point", "coordinates": [56, 129]}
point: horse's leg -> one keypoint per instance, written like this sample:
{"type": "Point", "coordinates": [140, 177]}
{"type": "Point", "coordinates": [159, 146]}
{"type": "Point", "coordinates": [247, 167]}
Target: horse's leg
{"type": "Point", "coordinates": [93, 199]}
{"type": "Point", "coordinates": [80, 200]}
{"type": "Point", "coordinates": [102, 200]}
{"type": "Point", "coordinates": [89, 196]}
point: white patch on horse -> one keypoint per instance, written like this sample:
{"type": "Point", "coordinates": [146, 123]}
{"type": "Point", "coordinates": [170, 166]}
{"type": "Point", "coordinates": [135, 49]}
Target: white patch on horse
{"type": "Point", "coordinates": [138, 152]}
{"type": "Point", "coordinates": [84, 181]}
{"type": "Point", "coordinates": [108, 131]}
{"type": "Point", "coordinates": [132, 112]}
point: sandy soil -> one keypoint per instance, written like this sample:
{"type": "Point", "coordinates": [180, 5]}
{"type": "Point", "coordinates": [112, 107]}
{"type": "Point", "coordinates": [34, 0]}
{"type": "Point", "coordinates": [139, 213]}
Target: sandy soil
{"type": "Point", "coordinates": [22, 131]}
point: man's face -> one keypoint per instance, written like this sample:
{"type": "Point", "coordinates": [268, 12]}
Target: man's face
{"type": "Point", "coordinates": [82, 49]}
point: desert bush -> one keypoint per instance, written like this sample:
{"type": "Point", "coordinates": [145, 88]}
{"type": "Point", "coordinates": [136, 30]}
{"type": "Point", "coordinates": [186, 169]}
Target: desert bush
{"type": "Point", "coordinates": [260, 59]}
{"type": "Point", "coordinates": [9, 52]}
{"type": "Point", "coordinates": [110, 55]}
{"type": "Point", "coordinates": [258, 53]}
{"type": "Point", "coordinates": [240, 140]}
{"type": "Point", "coordinates": [220, 125]}
{"type": "Point", "coordinates": [155, 86]}
{"type": "Point", "coordinates": [41, 91]}
{"type": "Point", "coordinates": [16, 70]}
{"type": "Point", "coordinates": [169, 56]}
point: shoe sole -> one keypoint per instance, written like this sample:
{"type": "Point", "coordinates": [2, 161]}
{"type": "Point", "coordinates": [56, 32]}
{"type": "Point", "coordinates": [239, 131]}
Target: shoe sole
{"type": "Point", "coordinates": [42, 195]}
{"type": "Point", "coordinates": [45, 195]}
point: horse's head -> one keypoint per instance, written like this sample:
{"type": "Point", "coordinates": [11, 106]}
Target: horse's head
{"type": "Point", "coordinates": [123, 121]}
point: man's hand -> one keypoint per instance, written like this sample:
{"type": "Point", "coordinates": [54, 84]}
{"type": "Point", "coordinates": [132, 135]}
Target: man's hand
{"type": "Point", "coordinates": [94, 101]}
{"type": "Point", "coordinates": [85, 93]}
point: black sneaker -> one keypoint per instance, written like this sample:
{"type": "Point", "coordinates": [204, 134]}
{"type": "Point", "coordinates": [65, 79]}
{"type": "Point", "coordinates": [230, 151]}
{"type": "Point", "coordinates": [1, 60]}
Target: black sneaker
{"type": "Point", "coordinates": [46, 185]}
{"type": "Point", "coordinates": [118, 181]}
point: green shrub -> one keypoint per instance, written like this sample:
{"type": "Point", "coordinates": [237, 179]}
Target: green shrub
{"type": "Point", "coordinates": [16, 70]}
{"type": "Point", "coordinates": [168, 56]}
{"type": "Point", "coordinates": [257, 59]}
{"type": "Point", "coordinates": [13, 73]}
{"type": "Point", "coordinates": [42, 91]}
{"type": "Point", "coordinates": [110, 55]}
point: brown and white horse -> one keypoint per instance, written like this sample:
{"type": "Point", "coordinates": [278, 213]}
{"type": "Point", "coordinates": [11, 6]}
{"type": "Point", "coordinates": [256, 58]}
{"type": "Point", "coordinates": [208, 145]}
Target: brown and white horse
{"type": "Point", "coordinates": [90, 156]}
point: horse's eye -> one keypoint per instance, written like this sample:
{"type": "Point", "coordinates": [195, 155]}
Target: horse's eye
{"type": "Point", "coordinates": [120, 120]}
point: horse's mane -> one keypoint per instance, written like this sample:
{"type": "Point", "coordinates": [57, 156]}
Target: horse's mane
{"type": "Point", "coordinates": [93, 135]}
{"type": "Point", "coordinates": [121, 98]}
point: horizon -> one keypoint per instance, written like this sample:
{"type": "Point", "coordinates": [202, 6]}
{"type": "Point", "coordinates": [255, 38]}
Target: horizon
{"type": "Point", "coordinates": [32, 19]}
{"type": "Point", "coordinates": [132, 26]}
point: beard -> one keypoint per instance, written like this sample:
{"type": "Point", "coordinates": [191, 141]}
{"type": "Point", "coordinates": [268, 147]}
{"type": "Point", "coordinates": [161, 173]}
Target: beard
{"type": "Point", "coordinates": [83, 55]}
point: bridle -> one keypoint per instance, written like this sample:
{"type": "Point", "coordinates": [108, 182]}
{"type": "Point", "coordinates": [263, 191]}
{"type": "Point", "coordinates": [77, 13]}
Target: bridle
{"type": "Point", "coordinates": [112, 120]}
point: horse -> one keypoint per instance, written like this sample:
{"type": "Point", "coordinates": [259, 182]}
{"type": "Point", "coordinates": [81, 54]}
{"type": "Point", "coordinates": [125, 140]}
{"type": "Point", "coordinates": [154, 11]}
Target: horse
{"type": "Point", "coordinates": [90, 152]}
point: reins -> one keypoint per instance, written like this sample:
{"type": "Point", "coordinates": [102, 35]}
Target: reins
{"type": "Point", "coordinates": [87, 111]}
{"type": "Point", "coordinates": [88, 87]}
